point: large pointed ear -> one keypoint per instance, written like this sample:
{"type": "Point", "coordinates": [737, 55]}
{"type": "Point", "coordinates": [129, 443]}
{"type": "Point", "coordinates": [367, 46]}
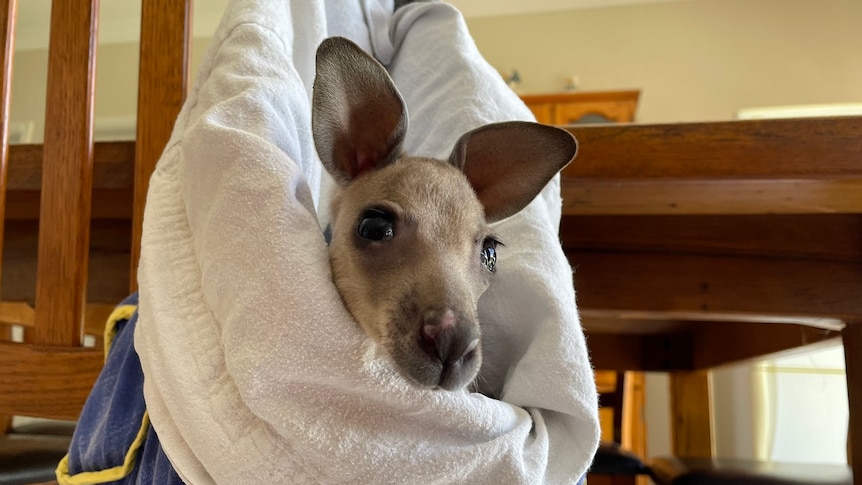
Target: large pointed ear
{"type": "Point", "coordinates": [358, 118]}
{"type": "Point", "coordinates": [509, 163]}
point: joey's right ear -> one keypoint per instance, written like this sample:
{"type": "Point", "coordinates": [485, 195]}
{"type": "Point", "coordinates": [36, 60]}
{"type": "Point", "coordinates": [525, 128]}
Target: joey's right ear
{"type": "Point", "coordinates": [358, 118]}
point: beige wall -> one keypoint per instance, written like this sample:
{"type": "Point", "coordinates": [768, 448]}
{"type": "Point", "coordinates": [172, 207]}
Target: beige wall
{"type": "Point", "coordinates": [116, 83]}
{"type": "Point", "coordinates": [699, 60]}
{"type": "Point", "coordinates": [29, 71]}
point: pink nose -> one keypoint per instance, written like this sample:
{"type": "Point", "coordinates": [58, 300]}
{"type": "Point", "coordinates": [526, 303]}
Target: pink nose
{"type": "Point", "coordinates": [431, 330]}
{"type": "Point", "coordinates": [447, 339]}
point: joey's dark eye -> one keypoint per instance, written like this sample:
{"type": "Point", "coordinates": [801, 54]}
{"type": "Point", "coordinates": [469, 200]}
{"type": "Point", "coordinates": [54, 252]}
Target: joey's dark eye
{"type": "Point", "coordinates": [489, 254]}
{"type": "Point", "coordinates": [376, 225]}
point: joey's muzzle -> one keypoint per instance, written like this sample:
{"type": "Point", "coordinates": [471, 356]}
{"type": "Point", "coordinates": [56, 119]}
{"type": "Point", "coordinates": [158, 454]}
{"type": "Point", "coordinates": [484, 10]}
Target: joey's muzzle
{"type": "Point", "coordinates": [445, 352]}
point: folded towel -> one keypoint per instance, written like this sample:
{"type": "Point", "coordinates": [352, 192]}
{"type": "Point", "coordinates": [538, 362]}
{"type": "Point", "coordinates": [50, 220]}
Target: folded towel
{"type": "Point", "coordinates": [254, 371]}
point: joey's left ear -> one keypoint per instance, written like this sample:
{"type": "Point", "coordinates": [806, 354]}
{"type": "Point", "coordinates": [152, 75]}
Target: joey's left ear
{"type": "Point", "coordinates": [509, 163]}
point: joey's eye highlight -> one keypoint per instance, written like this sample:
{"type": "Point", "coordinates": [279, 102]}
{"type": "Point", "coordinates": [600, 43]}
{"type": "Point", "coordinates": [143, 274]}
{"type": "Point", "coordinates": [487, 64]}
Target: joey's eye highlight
{"type": "Point", "coordinates": [376, 225]}
{"type": "Point", "coordinates": [489, 254]}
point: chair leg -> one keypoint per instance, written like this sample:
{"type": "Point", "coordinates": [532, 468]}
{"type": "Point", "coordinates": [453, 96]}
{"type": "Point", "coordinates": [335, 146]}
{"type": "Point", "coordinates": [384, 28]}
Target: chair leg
{"type": "Point", "coordinates": [852, 337]}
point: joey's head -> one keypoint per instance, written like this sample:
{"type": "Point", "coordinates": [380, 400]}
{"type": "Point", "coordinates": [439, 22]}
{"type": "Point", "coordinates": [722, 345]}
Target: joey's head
{"type": "Point", "coordinates": [412, 250]}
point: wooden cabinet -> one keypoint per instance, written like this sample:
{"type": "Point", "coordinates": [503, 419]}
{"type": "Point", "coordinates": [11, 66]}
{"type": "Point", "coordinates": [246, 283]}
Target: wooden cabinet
{"type": "Point", "coordinates": [583, 107]}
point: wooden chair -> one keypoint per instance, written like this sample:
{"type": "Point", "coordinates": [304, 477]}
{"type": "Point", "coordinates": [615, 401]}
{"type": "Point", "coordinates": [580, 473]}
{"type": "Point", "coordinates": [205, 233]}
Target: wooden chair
{"type": "Point", "coordinates": [618, 460]}
{"type": "Point", "coordinates": [90, 196]}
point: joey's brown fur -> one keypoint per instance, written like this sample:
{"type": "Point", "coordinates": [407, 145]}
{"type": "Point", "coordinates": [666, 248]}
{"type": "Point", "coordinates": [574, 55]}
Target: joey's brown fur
{"type": "Point", "coordinates": [412, 250]}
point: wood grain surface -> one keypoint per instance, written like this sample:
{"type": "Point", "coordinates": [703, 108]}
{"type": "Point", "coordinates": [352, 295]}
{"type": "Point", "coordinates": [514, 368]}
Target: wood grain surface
{"type": "Point", "coordinates": [772, 149]}
{"type": "Point", "coordinates": [691, 414]}
{"type": "Point", "coordinates": [8, 18]}
{"type": "Point", "coordinates": [67, 174]}
{"type": "Point", "coordinates": [46, 382]}
{"type": "Point", "coordinates": [795, 166]}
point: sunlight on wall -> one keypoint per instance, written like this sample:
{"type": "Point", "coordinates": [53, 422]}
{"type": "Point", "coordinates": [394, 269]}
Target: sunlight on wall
{"type": "Point", "coordinates": [804, 408]}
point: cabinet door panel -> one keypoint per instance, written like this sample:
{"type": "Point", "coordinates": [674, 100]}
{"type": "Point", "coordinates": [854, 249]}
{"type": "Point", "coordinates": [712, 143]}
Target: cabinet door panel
{"type": "Point", "coordinates": [544, 112]}
{"type": "Point", "coordinates": [612, 111]}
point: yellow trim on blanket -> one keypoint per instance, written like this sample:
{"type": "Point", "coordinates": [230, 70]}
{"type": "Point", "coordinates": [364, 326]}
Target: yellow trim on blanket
{"type": "Point", "coordinates": [110, 474]}
{"type": "Point", "coordinates": [122, 312]}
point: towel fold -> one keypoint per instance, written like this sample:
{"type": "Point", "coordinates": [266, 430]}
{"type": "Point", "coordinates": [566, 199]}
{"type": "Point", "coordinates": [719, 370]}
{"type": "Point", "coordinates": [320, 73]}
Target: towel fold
{"type": "Point", "coordinates": [254, 371]}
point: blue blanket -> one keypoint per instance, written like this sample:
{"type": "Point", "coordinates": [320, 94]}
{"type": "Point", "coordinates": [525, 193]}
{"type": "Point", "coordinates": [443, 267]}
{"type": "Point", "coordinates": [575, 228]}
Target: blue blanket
{"type": "Point", "coordinates": [114, 436]}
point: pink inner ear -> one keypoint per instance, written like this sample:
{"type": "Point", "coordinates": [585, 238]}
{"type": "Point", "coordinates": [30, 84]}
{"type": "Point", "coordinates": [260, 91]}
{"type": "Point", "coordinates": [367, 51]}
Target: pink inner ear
{"type": "Point", "coordinates": [365, 161]}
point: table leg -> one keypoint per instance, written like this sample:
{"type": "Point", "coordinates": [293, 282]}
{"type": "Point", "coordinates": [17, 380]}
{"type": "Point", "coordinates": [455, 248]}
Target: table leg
{"type": "Point", "coordinates": [852, 336]}
{"type": "Point", "coordinates": [691, 414]}
{"type": "Point", "coordinates": [5, 423]}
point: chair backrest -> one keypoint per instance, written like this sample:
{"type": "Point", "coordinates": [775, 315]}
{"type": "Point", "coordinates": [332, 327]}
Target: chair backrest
{"type": "Point", "coordinates": [611, 386]}
{"type": "Point", "coordinates": [51, 373]}
{"type": "Point", "coordinates": [621, 402]}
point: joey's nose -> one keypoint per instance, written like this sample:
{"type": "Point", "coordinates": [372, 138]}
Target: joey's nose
{"type": "Point", "coordinates": [445, 338]}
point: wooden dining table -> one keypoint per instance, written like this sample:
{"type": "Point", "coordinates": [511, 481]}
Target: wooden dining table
{"type": "Point", "coordinates": [696, 245]}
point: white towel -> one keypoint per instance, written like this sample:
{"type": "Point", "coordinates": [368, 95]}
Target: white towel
{"type": "Point", "coordinates": [254, 371]}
